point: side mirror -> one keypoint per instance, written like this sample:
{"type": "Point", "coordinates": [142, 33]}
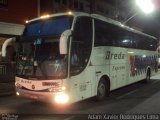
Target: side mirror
{"type": "Point", "coordinates": [63, 44]}
{"type": "Point", "coordinates": [5, 44]}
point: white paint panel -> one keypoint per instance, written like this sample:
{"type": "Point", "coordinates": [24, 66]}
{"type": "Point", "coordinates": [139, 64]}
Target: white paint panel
{"type": "Point", "coordinates": [38, 84]}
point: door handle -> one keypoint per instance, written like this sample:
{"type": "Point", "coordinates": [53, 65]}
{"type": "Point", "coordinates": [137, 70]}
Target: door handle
{"type": "Point", "coordinates": [97, 72]}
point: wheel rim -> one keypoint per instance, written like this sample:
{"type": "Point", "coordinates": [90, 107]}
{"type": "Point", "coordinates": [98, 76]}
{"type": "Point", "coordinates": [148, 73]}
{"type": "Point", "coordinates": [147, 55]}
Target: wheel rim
{"type": "Point", "coordinates": [101, 90]}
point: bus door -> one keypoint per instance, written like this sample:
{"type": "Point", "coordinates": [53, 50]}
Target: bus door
{"type": "Point", "coordinates": [80, 73]}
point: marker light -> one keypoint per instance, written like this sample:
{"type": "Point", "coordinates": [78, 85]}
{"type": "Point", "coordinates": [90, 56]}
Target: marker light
{"type": "Point", "coordinates": [26, 21]}
{"type": "Point", "coordinates": [17, 93]}
{"type": "Point", "coordinates": [61, 98]}
{"type": "Point", "coordinates": [69, 13]}
{"type": "Point", "coordinates": [45, 16]}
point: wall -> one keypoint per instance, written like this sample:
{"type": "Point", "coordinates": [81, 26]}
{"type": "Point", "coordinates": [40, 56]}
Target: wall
{"type": "Point", "coordinates": [13, 14]}
{"type": "Point", "coordinates": [18, 11]}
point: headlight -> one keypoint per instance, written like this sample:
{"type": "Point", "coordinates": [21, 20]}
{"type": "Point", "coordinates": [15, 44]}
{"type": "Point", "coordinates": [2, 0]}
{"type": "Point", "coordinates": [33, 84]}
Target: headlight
{"type": "Point", "coordinates": [17, 93]}
{"type": "Point", "coordinates": [61, 98]}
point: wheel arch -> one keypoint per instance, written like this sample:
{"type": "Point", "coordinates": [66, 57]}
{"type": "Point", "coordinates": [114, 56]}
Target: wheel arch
{"type": "Point", "coordinates": [103, 79]}
{"type": "Point", "coordinates": [107, 79]}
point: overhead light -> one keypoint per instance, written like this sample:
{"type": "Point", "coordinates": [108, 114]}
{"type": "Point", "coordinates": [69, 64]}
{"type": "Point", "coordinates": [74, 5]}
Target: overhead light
{"type": "Point", "coordinates": [26, 21]}
{"type": "Point", "coordinates": [146, 6]}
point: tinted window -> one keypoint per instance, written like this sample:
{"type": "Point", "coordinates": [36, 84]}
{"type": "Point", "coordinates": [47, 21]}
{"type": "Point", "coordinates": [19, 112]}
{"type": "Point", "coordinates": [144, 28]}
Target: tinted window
{"type": "Point", "coordinates": [104, 34]}
{"type": "Point", "coordinates": [107, 34]}
{"type": "Point", "coordinates": [143, 42]}
{"type": "Point", "coordinates": [111, 35]}
{"type": "Point", "coordinates": [81, 44]}
{"type": "Point", "coordinates": [53, 26]}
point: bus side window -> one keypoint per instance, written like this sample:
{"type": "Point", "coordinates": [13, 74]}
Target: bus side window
{"type": "Point", "coordinates": [103, 34]}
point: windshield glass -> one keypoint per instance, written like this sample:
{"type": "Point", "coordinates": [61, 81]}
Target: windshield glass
{"type": "Point", "coordinates": [38, 49]}
{"type": "Point", "coordinates": [47, 27]}
{"type": "Point", "coordinates": [41, 60]}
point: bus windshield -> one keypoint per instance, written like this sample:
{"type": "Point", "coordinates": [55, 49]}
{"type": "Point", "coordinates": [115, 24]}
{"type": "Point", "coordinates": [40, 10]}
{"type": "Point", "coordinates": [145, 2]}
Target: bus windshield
{"type": "Point", "coordinates": [38, 51]}
{"type": "Point", "coordinates": [41, 60]}
{"type": "Point", "coordinates": [53, 26]}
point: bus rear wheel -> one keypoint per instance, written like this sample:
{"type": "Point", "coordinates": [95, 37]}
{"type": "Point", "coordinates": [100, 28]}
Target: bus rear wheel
{"type": "Point", "coordinates": [102, 90]}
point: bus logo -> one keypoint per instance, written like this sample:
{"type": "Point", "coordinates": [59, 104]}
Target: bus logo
{"type": "Point", "coordinates": [114, 56]}
{"type": "Point", "coordinates": [33, 87]}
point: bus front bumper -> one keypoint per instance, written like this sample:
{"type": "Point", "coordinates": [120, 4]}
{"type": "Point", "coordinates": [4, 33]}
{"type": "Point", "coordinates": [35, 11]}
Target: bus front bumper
{"type": "Point", "coordinates": [58, 98]}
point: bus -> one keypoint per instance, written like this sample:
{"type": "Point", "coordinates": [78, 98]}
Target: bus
{"type": "Point", "coordinates": [68, 57]}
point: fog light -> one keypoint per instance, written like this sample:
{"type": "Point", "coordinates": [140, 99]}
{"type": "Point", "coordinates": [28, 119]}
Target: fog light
{"type": "Point", "coordinates": [61, 98]}
{"type": "Point", "coordinates": [17, 93]}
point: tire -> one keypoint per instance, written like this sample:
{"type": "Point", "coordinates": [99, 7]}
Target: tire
{"type": "Point", "coordinates": [102, 90]}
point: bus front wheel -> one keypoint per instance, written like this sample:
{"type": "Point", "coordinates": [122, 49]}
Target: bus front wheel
{"type": "Point", "coordinates": [102, 90]}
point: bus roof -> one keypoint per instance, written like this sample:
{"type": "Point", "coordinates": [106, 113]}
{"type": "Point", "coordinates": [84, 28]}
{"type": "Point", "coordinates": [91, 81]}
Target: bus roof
{"type": "Point", "coordinates": [95, 16]}
{"type": "Point", "coordinates": [59, 14]}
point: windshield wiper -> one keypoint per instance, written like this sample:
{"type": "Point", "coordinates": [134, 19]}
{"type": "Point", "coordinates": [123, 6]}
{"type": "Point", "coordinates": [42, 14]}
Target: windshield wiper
{"type": "Point", "coordinates": [26, 62]}
{"type": "Point", "coordinates": [36, 64]}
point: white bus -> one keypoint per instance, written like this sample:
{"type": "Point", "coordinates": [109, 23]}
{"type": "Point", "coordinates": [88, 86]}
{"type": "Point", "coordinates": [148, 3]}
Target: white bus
{"type": "Point", "coordinates": [68, 57]}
